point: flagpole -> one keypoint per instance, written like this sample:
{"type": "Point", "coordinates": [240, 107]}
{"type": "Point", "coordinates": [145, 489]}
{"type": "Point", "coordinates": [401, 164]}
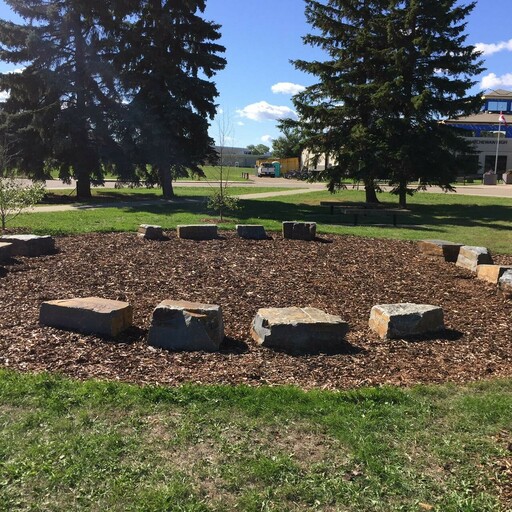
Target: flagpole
{"type": "Point", "coordinates": [497, 147]}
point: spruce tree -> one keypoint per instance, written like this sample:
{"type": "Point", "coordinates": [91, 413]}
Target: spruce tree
{"type": "Point", "coordinates": [167, 56]}
{"type": "Point", "coordinates": [64, 99]}
{"type": "Point", "coordinates": [394, 69]}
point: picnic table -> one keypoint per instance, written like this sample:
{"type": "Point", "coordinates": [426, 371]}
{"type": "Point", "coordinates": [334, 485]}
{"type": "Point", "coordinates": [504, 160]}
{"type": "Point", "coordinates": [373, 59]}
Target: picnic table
{"type": "Point", "coordinates": [365, 209]}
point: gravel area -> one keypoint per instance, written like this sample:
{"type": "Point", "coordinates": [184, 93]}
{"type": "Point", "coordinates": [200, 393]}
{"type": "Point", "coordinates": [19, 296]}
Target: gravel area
{"type": "Point", "coordinates": [341, 275]}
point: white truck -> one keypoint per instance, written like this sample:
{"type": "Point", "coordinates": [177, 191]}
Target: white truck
{"type": "Point", "coordinates": [266, 169]}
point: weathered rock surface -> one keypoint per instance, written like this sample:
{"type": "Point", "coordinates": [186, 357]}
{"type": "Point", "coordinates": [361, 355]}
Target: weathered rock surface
{"type": "Point", "coordinates": [187, 326]}
{"type": "Point", "coordinates": [491, 273]}
{"type": "Point", "coordinates": [441, 249]}
{"type": "Point", "coordinates": [299, 230]}
{"type": "Point", "coordinates": [150, 232]}
{"type": "Point", "coordinates": [89, 315]}
{"type": "Point", "coordinates": [505, 285]}
{"type": "Point", "coordinates": [298, 330]}
{"type": "Point", "coordinates": [406, 320]}
{"type": "Point", "coordinates": [470, 257]}
{"type": "Point", "coordinates": [5, 251]}
{"type": "Point", "coordinates": [197, 231]}
{"type": "Point", "coordinates": [30, 245]}
{"type": "Point", "coordinates": [251, 231]}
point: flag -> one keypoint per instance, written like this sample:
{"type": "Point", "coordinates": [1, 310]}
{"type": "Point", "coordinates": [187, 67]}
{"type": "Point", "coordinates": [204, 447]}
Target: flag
{"type": "Point", "coordinates": [502, 119]}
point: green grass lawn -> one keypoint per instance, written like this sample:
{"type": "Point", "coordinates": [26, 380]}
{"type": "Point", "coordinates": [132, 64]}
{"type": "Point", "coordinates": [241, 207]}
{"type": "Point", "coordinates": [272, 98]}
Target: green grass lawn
{"type": "Point", "coordinates": [68, 445]}
{"type": "Point", "coordinates": [470, 220]}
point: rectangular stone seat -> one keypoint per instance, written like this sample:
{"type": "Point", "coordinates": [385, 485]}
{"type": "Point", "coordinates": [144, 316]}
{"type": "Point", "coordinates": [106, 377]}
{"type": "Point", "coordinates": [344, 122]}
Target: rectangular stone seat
{"type": "Point", "coordinates": [30, 245]}
{"type": "Point", "coordinates": [491, 273]}
{"type": "Point", "coordinates": [406, 320]}
{"type": "Point", "coordinates": [299, 230]}
{"type": "Point", "coordinates": [449, 251]}
{"type": "Point", "coordinates": [186, 326]}
{"type": "Point", "coordinates": [150, 232]}
{"type": "Point", "coordinates": [88, 315]}
{"type": "Point", "coordinates": [197, 231]}
{"type": "Point", "coordinates": [470, 257]}
{"type": "Point", "coordinates": [251, 231]}
{"type": "Point", "coordinates": [5, 251]}
{"type": "Point", "coordinates": [298, 330]}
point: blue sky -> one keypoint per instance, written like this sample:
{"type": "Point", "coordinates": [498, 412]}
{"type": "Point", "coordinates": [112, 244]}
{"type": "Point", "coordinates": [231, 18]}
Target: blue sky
{"type": "Point", "coordinates": [260, 39]}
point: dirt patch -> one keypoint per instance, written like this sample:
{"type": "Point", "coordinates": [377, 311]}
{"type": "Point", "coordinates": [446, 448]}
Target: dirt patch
{"type": "Point", "coordinates": [340, 274]}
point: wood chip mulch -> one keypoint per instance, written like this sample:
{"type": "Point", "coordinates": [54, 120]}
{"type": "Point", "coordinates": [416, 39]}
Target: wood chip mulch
{"type": "Point", "coordinates": [341, 275]}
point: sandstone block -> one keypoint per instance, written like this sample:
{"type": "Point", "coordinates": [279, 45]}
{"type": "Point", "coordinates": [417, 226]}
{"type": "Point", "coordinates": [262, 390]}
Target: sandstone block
{"type": "Point", "coordinates": [30, 245]}
{"type": "Point", "coordinates": [299, 230]}
{"type": "Point", "coordinates": [298, 330]}
{"type": "Point", "coordinates": [197, 231]}
{"type": "Point", "coordinates": [491, 273]}
{"type": "Point", "coordinates": [441, 249]}
{"type": "Point", "coordinates": [186, 326]}
{"type": "Point", "coordinates": [5, 251]}
{"type": "Point", "coordinates": [251, 231]}
{"type": "Point", "coordinates": [470, 257]}
{"type": "Point", "coordinates": [89, 315]}
{"type": "Point", "coordinates": [150, 232]}
{"type": "Point", "coordinates": [505, 285]}
{"type": "Point", "coordinates": [405, 320]}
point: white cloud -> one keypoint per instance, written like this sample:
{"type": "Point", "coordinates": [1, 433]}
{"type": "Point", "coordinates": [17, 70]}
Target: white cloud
{"type": "Point", "coordinates": [493, 81]}
{"type": "Point", "coordinates": [489, 49]}
{"type": "Point", "coordinates": [267, 139]}
{"type": "Point", "coordinates": [263, 111]}
{"type": "Point", "coordinates": [240, 123]}
{"type": "Point", "coordinates": [287, 88]}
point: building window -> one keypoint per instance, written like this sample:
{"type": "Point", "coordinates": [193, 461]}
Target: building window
{"type": "Point", "coordinates": [497, 106]}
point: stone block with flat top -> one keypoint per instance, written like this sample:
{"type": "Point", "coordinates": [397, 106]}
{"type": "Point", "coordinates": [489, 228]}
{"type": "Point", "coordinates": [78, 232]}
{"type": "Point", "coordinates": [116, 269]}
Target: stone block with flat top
{"type": "Point", "coordinates": [251, 231]}
{"type": "Point", "coordinates": [406, 320]}
{"type": "Point", "coordinates": [299, 230]}
{"type": "Point", "coordinates": [197, 231]}
{"type": "Point", "coordinates": [298, 330]}
{"type": "Point", "coordinates": [88, 315]}
{"type": "Point", "coordinates": [30, 245]}
{"type": "Point", "coordinates": [505, 285]}
{"type": "Point", "coordinates": [186, 326]}
{"type": "Point", "coordinates": [5, 251]}
{"type": "Point", "coordinates": [449, 251]}
{"type": "Point", "coordinates": [150, 232]}
{"type": "Point", "coordinates": [470, 257]}
{"type": "Point", "coordinates": [491, 273]}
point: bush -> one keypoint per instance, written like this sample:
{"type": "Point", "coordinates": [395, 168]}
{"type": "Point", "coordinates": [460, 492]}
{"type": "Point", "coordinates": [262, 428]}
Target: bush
{"type": "Point", "coordinates": [220, 203]}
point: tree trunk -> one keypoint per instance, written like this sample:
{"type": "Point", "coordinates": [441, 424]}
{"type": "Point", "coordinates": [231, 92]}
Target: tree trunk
{"type": "Point", "coordinates": [83, 184]}
{"type": "Point", "coordinates": [402, 193]}
{"type": "Point", "coordinates": [164, 172]}
{"type": "Point", "coordinates": [371, 194]}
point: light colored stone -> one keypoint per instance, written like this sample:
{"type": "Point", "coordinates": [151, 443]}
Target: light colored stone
{"type": "Point", "coordinates": [298, 330]}
{"type": "Point", "coordinates": [150, 232]}
{"type": "Point", "coordinates": [186, 326]}
{"type": "Point", "coordinates": [406, 320]}
{"type": "Point", "coordinates": [505, 285]}
{"type": "Point", "coordinates": [197, 231]}
{"type": "Point", "coordinates": [5, 251]}
{"type": "Point", "coordinates": [30, 245]}
{"type": "Point", "coordinates": [491, 273]}
{"type": "Point", "coordinates": [299, 230]}
{"type": "Point", "coordinates": [470, 257]}
{"type": "Point", "coordinates": [251, 231]}
{"type": "Point", "coordinates": [89, 315]}
{"type": "Point", "coordinates": [449, 251]}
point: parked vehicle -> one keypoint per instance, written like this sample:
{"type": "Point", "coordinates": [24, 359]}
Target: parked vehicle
{"type": "Point", "coordinates": [266, 169]}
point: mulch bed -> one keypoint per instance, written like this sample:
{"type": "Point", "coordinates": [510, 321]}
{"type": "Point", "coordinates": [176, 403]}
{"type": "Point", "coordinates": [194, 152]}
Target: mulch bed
{"type": "Point", "coordinates": [342, 275]}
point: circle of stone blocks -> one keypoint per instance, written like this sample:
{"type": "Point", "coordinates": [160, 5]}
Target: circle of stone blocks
{"type": "Point", "coordinates": [470, 257]}
{"type": "Point", "coordinates": [186, 326]}
{"type": "Point", "coordinates": [251, 231]}
{"type": "Point", "coordinates": [5, 251]}
{"type": "Point", "coordinates": [505, 284]}
{"type": "Point", "coordinates": [406, 320]}
{"type": "Point", "coordinates": [298, 330]}
{"type": "Point", "coordinates": [449, 251]}
{"type": "Point", "coordinates": [491, 273]}
{"type": "Point", "coordinates": [30, 245]}
{"type": "Point", "coordinates": [150, 232]}
{"type": "Point", "coordinates": [299, 230]}
{"type": "Point", "coordinates": [88, 315]}
{"type": "Point", "coordinates": [197, 231]}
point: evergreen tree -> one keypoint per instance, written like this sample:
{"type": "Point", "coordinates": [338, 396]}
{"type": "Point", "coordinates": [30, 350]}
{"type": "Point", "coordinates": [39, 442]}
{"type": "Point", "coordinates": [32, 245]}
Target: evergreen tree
{"type": "Point", "coordinates": [64, 100]}
{"type": "Point", "coordinates": [167, 56]}
{"type": "Point", "coordinates": [376, 107]}
{"type": "Point", "coordinates": [289, 144]}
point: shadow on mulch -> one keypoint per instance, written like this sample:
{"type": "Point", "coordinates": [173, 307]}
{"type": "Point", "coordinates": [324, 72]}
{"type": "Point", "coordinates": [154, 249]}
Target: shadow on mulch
{"type": "Point", "coordinates": [446, 335]}
{"type": "Point", "coordinates": [233, 346]}
{"type": "Point", "coordinates": [343, 348]}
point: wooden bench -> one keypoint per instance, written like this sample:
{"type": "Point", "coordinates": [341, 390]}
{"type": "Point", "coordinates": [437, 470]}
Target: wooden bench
{"type": "Point", "coordinates": [364, 209]}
